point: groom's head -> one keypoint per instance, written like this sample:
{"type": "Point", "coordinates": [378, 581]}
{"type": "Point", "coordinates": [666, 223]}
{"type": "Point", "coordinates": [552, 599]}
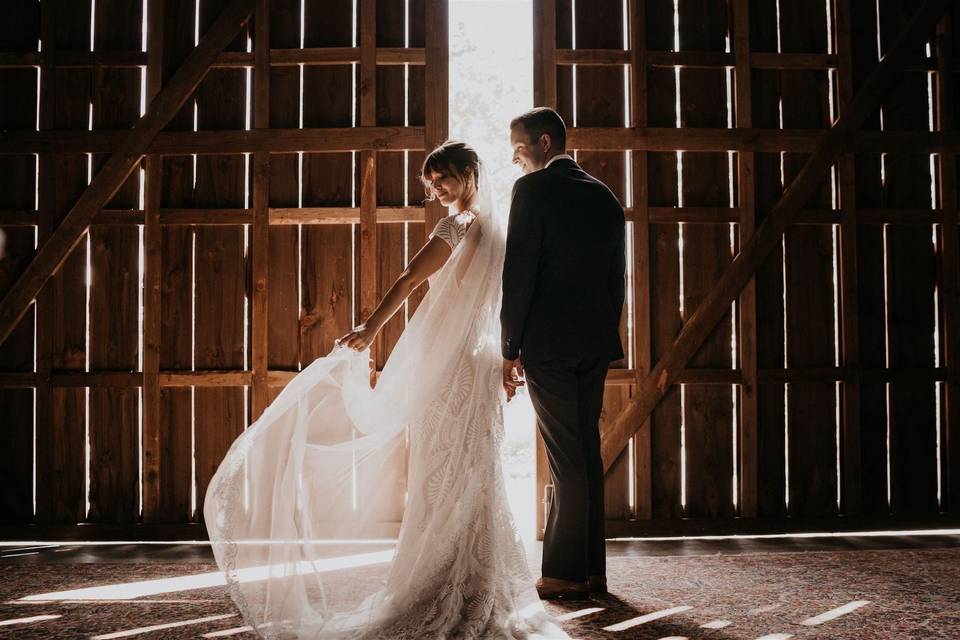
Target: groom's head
{"type": "Point", "coordinates": [536, 136]}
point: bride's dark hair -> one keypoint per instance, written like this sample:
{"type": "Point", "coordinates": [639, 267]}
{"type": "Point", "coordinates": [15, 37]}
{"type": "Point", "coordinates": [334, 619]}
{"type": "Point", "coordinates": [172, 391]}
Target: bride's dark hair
{"type": "Point", "coordinates": [453, 157]}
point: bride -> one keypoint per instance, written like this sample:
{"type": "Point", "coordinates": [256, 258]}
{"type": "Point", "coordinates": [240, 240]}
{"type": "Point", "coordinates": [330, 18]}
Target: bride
{"type": "Point", "coordinates": [298, 510]}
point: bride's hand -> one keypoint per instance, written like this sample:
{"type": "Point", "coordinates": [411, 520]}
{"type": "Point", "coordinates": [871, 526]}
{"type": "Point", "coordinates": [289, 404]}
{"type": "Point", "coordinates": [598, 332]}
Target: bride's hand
{"type": "Point", "coordinates": [359, 339]}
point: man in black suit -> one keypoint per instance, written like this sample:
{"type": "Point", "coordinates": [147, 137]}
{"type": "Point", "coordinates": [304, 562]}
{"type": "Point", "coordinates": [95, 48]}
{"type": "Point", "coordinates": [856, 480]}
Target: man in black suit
{"type": "Point", "coordinates": [563, 291]}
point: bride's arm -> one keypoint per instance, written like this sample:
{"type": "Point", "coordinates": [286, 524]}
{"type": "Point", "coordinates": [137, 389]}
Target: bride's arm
{"type": "Point", "coordinates": [427, 262]}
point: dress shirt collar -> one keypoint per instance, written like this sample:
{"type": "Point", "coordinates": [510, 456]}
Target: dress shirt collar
{"type": "Point", "coordinates": [559, 156]}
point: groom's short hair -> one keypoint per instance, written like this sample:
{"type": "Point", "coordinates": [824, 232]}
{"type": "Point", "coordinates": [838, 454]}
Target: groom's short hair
{"type": "Point", "coordinates": [541, 120]}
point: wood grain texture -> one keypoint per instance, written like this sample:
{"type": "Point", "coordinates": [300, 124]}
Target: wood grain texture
{"type": "Point", "coordinates": [17, 184]}
{"type": "Point", "coordinates": [114, 311]}
{"type": "Point", "coordinates": [221, 267]}
{"type": "Point", "coordinates": [910, 283]}
{"type": "Point", "coordinates": [128, 153]}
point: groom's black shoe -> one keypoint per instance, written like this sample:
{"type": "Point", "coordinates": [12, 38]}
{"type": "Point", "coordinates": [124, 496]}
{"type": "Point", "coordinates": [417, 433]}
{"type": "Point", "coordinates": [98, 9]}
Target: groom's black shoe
{"type": "Point", "coordinates": [597, 584]}
{"type": "Point", "coordinates": [555, 588]}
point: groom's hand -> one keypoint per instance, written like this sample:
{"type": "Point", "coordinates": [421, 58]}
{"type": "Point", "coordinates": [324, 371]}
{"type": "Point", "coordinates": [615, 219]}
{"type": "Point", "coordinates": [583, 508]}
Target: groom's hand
{"type": "Point", "coordinates": [512, 377]}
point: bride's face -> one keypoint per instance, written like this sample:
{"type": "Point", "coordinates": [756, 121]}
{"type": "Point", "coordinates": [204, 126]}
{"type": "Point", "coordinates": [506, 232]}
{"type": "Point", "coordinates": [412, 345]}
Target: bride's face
{"type": "Point", "coordinates": [445, 187]}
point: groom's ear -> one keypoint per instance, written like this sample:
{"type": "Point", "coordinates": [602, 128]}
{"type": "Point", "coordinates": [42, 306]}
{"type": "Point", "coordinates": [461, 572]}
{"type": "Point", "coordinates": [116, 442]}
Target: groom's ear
{"type": "Point", "coordinates": [546, 142]}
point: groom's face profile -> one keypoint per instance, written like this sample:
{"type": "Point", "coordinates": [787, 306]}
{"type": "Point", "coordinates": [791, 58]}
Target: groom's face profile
{"type": "Point", "coordinates": [530, 155]}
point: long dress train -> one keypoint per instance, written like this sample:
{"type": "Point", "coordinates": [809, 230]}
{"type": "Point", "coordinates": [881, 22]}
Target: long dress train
{"type": "Point", "coordinates": [299, 508]}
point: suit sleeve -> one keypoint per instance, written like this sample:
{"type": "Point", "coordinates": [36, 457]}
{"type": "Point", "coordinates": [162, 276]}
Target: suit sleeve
{"type": "Point", "coordinates": [524, 238]}
{"type": "Point", "coordinates": [618, 266]}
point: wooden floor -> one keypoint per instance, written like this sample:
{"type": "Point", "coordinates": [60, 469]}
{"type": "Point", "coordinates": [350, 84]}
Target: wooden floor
{"type": "Point", "coordinates": [848, 587]}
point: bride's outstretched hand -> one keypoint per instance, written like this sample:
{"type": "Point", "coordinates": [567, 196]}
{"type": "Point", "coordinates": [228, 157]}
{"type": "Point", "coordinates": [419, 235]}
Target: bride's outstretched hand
{"type": "Point", "coordinates": [359, 339]}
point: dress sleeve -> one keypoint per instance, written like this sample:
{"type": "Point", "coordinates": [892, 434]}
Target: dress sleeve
{"type": "Point", "coordinates": [443, 231]}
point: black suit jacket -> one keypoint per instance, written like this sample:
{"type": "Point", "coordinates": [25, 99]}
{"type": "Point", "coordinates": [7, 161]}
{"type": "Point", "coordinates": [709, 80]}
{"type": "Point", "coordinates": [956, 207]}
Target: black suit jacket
{"type": "Point", "coordinates": [563, 273]}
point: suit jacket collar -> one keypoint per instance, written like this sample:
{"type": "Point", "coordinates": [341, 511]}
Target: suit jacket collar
{"type": "Point", "coordinates": [562, 160]}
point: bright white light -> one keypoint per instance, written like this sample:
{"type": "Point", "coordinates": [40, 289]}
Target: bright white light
{"type": "Point", "coordinates": [835, 613]}
{"type": "Point", "coordinates": [157, 627]}
{"type": "Point", "coordinates": [579, 613]}
{"type": "Point", "coordinates": [5, 623]}
{"type": "Point", "coordinates": [491, 81]}
{"type": "Point", "coordinates": [133, 590]}
{"type": "Point", "coordinates": [656, 615]}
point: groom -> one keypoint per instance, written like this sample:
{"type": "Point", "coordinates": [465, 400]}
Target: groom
{"type": "Point", "coordinates": [563, 291]}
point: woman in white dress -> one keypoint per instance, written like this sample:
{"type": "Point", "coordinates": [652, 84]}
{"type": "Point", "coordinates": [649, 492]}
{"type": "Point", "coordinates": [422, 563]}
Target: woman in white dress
{"type": "Point", "coordinates": [296, 511]}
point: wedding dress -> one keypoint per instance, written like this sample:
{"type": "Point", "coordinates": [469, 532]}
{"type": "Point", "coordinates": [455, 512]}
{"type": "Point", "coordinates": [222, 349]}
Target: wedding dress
{"type": "Point", "coordinates": [296, 510]}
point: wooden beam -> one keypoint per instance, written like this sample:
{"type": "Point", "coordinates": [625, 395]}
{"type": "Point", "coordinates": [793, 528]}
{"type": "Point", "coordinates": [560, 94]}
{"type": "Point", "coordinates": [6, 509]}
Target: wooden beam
{"type": "Point", "coordinates": [334, 139]}
{"type": "Point", "coordinates": [307, 56]}
{"type": "Point", "coordinates": [347, 215]}
{"type": "Point", "coordinates": [224, 142]}
{"type": "Point", "coordinates": [752, 253]}
{"type": "Point", "coordinates": [166, 104]}
{"type": "Point", "coordinates": [260, 231]}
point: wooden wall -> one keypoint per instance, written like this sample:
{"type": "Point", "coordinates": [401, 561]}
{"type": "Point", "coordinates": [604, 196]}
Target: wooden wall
{"type": "Point", "coordinates": [225, 264]}
{"type": "Point", "coordinates": [827, 397]}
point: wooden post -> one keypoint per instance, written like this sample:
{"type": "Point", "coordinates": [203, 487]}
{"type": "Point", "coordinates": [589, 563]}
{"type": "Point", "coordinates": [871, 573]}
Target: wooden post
{"type": "Point", "coordinates": [851, 503]}
{"type": "Point", "coordinates": [260, 236]}
{"type": "Point", "coordinates": [545, 53]}
{"type": "Point", "coordinates": [950, 268]}
{"type": "Point", "coordinates": [736, 276]}
{"type": "Point", "coordinates": [437, 91]}
{"type": "Point", "coordinates": [747, 437]}
{"type": "Point", "coordinates": [368, 165]}
{"type": "Point", "coordinates": [43, 309]}
{"type": "Point", "coordinates": [642, 351]}
{"type": "Point", "coordinates": [153, 264]}
{"type": "Point", "coordinates": [52, 254]}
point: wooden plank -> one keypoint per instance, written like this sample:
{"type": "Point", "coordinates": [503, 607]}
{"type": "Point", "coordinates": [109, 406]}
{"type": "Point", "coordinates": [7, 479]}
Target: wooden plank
{"type": "Point", "coordinates": [17, 184]}
{"type": "Point", "coordinates": [114, 290]}
{"type": "Point", "coordinates": [871, 325]}
{"type": "Point", "coordinates": [62, 442]}
{"type": "Point", "coordinates": [702, 322]}
{"type": "Point", "coordinates": [436, 91]}
{"type": "Point", "coordinates": [851, 469]}
{"type": "Point", "coordinates": [705, 181]}
{"type": "Point", "coordinates": [160, 111]}
{"type": "Point", "coordinates": [949, 267]}
{"type": "Point", "coordinates": [640, 229]}
{"type": "Point", "coordinates": [911, 284]}
{"type": "Point", "coordinates": [283, 301]}
{"type": "Point", "coordinates": [809, 267]}
{"type": "Point", "coordinates": [327, 305]}
{"type": "Point", "coordinates": [152, 284]}
{"type": "Point", "coordinates": [174, 441]}
{"type": "Point", "coordinates": [545, 57]}
{"type": "Point", "coordinates": [220, 267]}
{"type": "Point", "coordinates": [747, 458]}
{"type": "Point", "coordinates": [260, 230]}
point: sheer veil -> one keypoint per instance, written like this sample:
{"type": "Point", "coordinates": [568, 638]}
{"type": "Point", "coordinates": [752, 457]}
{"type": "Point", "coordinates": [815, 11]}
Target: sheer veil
{"type": "Point", "coordinates": [301, 512]}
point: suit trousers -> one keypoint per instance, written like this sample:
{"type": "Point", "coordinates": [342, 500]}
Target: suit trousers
{"type": "Point", "coordinates": [567, 396]}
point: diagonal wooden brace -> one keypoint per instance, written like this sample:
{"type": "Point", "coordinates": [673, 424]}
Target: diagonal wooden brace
{"type": "Point", "coordinates": [653, 387]}
{"type": "Point", "coordinates": [113, 174]}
